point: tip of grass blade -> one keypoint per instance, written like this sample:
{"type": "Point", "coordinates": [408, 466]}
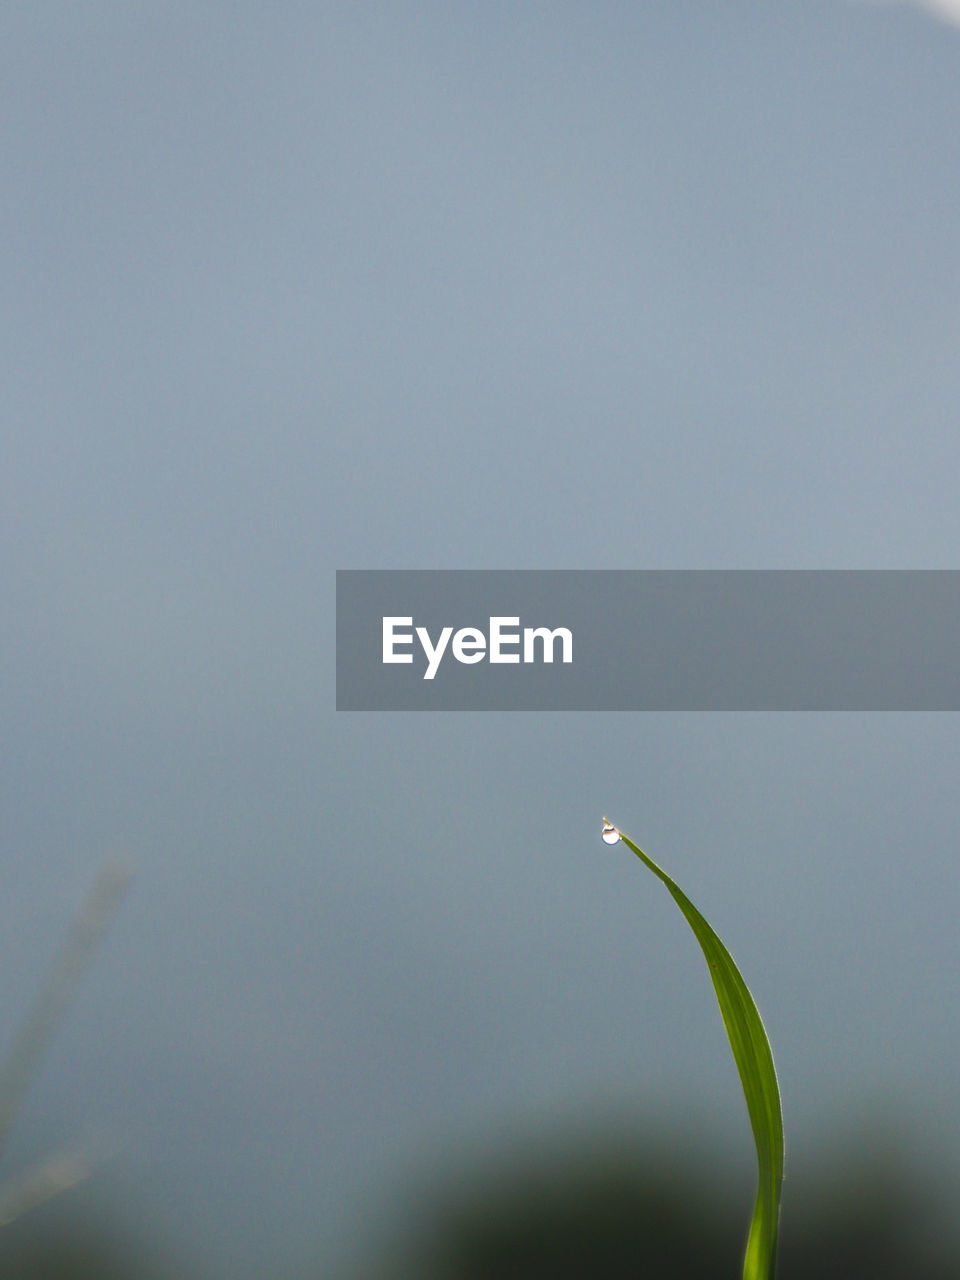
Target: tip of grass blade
{"type": "Point", "coordinates": [754, 1060]}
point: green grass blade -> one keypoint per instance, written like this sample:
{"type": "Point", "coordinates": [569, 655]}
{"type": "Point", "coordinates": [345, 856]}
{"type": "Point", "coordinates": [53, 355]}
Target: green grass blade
{"type": "Point", "coordinates": [754, 1059]}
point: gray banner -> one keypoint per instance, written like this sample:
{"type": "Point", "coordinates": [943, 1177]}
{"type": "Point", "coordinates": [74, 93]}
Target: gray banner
{"type": "Point", "coordinates": [648, 640]}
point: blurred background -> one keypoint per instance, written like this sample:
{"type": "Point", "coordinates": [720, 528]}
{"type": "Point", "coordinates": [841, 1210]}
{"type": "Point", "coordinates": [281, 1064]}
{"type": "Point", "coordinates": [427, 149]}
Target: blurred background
{"type": "Point", "coordinates": [338, 285]}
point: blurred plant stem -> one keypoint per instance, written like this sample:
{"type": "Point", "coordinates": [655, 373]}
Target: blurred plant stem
{"type": "Point", "coordinates": [31, 1041]}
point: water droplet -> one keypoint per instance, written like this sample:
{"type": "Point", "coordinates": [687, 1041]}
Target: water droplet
{"type": "Point", "coordinates": [609, 834]}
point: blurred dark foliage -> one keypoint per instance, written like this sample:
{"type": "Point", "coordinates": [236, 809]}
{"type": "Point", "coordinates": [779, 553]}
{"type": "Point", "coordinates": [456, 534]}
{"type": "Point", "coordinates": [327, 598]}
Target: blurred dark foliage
{"type": "Point", "coordinates": [642, 1218]}
{"type": "Point", "coordinates": [605, 1214]}
{"type": "Point", "coordinates": [612, 1223]}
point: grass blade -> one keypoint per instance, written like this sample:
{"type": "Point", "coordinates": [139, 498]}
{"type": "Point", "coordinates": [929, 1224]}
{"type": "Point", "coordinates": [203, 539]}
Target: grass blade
{"type": "Point", "coordinates": [754, 1059]}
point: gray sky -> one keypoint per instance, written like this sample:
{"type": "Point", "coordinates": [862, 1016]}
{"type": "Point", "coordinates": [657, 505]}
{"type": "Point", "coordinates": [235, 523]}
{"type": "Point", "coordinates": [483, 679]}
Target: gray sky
{"type": "Point", "coordinates": [478, 286]}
